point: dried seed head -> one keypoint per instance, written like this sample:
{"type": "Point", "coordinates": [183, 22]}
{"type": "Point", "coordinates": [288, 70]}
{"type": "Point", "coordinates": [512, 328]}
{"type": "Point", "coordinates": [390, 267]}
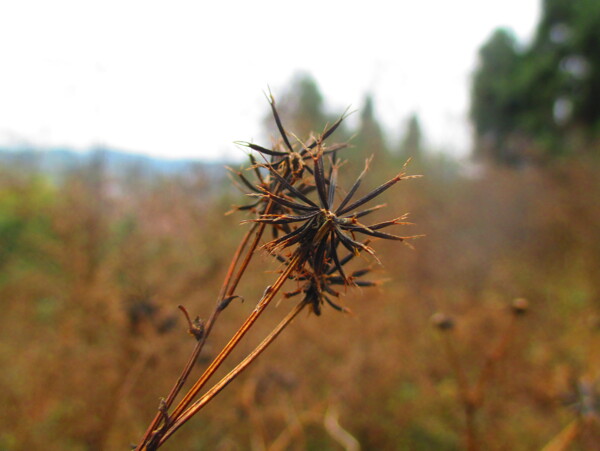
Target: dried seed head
{"type": "Point", "coordinates": [584, 397]}
{"type": "Point", "coordinates": [520, 306]}
{"type": "Point", "coordinates": [442, 321]}
{"type": "Point", "coordinates": [319, 228]}
{"type": "Point", "coordinates": [298, 198]}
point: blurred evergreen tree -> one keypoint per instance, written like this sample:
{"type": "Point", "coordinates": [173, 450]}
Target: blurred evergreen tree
{"type": "Point", "coordinates": [302, 109]}
{"type": "Point", "coordinates": [411, 144]}
{"type": "Point", "coordinates": [370, 138]}
{"type": "Point", "coordinates": [493, 99]}
{"type": "Point", "coordinates": [545, 95]}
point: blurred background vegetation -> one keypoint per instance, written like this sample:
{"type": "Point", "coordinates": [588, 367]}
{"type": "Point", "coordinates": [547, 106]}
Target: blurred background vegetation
{"type": "Point", "coordinates": [96, 253]}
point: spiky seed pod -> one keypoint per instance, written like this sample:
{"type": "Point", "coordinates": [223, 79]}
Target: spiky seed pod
{"type": "Point", "coordinates": [291, 160]}
{"type": "Point", "coordinates": [320, 227]}
{"type": "Point", "coordinates": [303, 210]}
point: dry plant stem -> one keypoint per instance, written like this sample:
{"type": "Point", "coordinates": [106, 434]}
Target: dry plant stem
{"type": "Point", "coordinates": [337, 432]}
{"type": "Point", "coordinates": [127, 383]}
{"type": "Point", "coordinates": [472, 443]}
{"type": "Point", "coordinates": [248, 391]}
{"type": "Point", "coordinates": [564, 439]}
{"type": "Point", "coordinates": [231, 288]}
{"type": "Point", "coordinates": [227, 289]}
{"type": "Point", "coordinates": [461, 377]}
{"type": "Point", "coordinates": [466, 397]}
{"type": "Point", "coordinates": [295, 432]}
{"type": "Point", "coordinates": [213, 317]}
{"type": "Point", "coordinates": [472, 398]}
{"type": "Point", "coordinates": [216, 389]}
{"type": "Point", "coordinates": [216, 363]}
{"type": "Point", "coordinates": [489, 364]}
{"type": "Point", "coordinates": [200, 343]}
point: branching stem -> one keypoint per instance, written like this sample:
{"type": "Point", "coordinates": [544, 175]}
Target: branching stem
{"type": "Point", "coordinates": [268, 296]}
{"type": "Point", "coordinates": [216, 363]}
{"type": "Point", "coordinates": [216, 389]}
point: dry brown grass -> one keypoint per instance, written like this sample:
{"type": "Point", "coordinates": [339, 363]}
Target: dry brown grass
{"type": "Point", "coordinates": [81, 370]}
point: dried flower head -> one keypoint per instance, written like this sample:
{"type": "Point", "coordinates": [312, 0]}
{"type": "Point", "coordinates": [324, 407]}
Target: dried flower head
{"type": "Point", "coordinates": [296, 193]}
{"type": "Point", "coordinates": [320, 226]}
{"type": "Point", "coordinates": [289, 159]}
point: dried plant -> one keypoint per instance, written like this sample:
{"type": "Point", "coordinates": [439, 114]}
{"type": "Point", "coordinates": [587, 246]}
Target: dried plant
{"type": "Point", "coordinates": [471, 396]}
{"type": "Point", "coordinates": [583, 400]}
{"type": "Point", "coordinates": [295, 196]}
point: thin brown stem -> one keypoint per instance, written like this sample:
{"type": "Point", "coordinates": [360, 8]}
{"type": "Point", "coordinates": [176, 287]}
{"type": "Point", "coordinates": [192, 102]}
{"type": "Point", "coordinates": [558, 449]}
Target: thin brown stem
{"type": "Point", "coordinates": [212, 318]}
{"type": "Point", "coordinates": [216, 363]}
{"type": "Point", "coordinates": [472, 397]}
{"type": "Point", "coordinates": [466, 396]}
{"type": "Point", "coordinates": [200, 343]}
{"type": "Point", "coordinates": [228, 286]}
{"type": "Point", "coordinates": [216, 389]}
{"type": "Point", "coordinates": [492, 359]}
{"type": "Point", "coordinates": [565, 437]}
{"type": "Point", "coordinates": [461, 377]}
{"type": "Point", "coordinates": [234, 261]}
{"type": "Point", "coordinates": [268, 296]}
{"type": "Point", "coordinates": [227, 289]}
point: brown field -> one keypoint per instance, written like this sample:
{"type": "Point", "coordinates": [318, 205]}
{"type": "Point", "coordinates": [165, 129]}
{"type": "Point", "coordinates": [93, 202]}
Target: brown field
{"type": "Point", "coordinates": [92, 270]}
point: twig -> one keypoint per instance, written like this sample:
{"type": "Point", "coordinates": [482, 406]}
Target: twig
{"type": "Point", "coordinates": [199, 344]}
{"type": "Point", "coordinates": [339, 434]}
{"type": "Point", "coordinates": [216, 389]}
{"type": "Point", "coordinates": [563, 440]}
{"type": "Point", "coordinates": [262, 304]}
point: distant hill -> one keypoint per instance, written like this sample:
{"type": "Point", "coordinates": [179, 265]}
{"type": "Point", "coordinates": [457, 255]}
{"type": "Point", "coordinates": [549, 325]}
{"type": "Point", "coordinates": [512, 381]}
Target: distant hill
{"type": "Point", "coordinates": [58, 162]}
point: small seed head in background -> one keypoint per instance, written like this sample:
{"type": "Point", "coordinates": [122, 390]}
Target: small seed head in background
{"type": "Point", "coordinates": [520, 306]}
{"type": "Point", "coordinates": [442, 321]}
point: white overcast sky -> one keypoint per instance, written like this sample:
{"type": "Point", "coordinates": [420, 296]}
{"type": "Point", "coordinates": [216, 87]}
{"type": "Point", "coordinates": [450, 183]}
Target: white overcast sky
{"type": "Point", "coordinates": [186, 78]}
